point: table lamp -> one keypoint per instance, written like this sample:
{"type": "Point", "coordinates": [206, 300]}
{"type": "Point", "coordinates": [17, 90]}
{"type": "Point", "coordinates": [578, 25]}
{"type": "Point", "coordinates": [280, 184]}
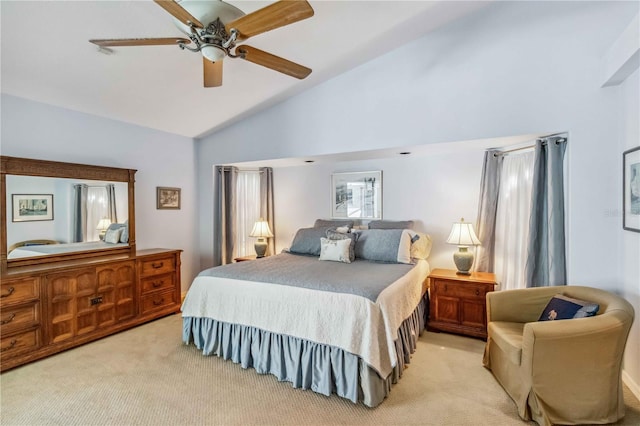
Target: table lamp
{"type": "Point", "coordinates": [103, 225]}
{"type": "Point", "coordinates": [261, 231]}
{"type": "Point", "coordinates": [463, 236]}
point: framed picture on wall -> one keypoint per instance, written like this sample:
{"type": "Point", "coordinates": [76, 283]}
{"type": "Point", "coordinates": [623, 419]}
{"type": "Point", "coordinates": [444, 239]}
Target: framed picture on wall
{"type": "Point", "coordinates": [631, 189]}
{"type": "Point", "coordinates": [32, 207]}
{"type": "Point", "coordinates": [167, 198]}
{"type": "Point", "coordinates": [356, 195]}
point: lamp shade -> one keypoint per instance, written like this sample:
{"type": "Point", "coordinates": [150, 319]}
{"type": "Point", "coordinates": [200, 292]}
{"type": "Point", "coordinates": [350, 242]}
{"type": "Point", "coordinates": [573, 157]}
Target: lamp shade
{"type": "Point", "coordinates": [261, 229]}
{"type": "Point", "coordinates": [462, 234]}
{"type": "Point", "coordinates": [103, 224]}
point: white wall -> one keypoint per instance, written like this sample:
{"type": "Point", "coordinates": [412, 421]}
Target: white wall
{"type": "Point", "coordinates": [36, 130]}
{"type": "Point", "coordinates": [434, 191]}
{"type": "Point", "coordinates": [630, 241]}
{"type": "Point", "coordinates": [513, 68]}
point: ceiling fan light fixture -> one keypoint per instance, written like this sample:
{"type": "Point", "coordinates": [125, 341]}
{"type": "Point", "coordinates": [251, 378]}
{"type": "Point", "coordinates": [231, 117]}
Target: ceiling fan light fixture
{"type": "Point", "coordinates": [212, 52]}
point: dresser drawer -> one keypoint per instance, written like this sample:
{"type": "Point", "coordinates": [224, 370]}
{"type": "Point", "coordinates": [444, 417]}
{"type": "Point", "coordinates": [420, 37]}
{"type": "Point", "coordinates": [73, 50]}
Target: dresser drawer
{"type": "Point", "coordinates": [17, 291]}
{"type": "Point", "coordinates": [456, 289]}
{"type": "Point", "coordinates": [157, 266]}
{"type": "Point", "coordinates": [158, 282]}
{"type": "Point", "coordinates": [12, 319]}
{"type": "Point", "coordinates": [21, 342]}
{"type": "Point", "coordinates": [157, 301]}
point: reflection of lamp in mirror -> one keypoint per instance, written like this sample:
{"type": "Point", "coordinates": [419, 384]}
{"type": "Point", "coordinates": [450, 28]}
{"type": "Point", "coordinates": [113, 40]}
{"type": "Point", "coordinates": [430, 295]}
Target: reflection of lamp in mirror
{"type": "Point", "coordinates": [103, 225]}
{"type": "Point", "coordinates": [463, 236]}
{"type": "Point", "coordinates": [262, 232]}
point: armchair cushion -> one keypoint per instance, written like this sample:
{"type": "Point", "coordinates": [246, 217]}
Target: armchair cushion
{"type": "Point", "coordinates": [508, 336]}
{"type": "Point", "coordinates": [562, 307]}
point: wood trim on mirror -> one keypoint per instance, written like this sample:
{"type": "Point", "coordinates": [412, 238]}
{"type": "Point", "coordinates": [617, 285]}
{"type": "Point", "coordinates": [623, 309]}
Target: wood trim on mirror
{"type": "Point", "coordinates": [56, 169]}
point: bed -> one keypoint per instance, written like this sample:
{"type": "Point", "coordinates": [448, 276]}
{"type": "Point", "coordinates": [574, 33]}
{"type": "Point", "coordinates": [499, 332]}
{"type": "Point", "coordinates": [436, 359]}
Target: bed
{"type": "Point", "coordinates": [61, 248]}
{"type": "Point", "coordinates": [344, 326]}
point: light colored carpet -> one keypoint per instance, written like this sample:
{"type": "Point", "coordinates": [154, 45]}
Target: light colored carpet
{"type": "Point", "coordinates": [147, 376]}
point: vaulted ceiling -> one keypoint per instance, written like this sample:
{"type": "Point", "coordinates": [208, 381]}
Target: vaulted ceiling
{"type": "Point", "coordinates": [46, 57]}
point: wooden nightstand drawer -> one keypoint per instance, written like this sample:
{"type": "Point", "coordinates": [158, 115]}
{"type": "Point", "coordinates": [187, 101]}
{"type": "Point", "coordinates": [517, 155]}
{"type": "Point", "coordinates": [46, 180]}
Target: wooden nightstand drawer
{"type": "Point", "coordinates": [456, 289]}
{"type": "Point", "coordinates": [19, 291]}
{"type": "Point", "coordinates": [158, 282]}
{"type": "Point", "coordinates": [157, 266]}
{"type": "Point", "coordinates": [12, 319]}
{"type": "Point", "coordinates": [157, 301]}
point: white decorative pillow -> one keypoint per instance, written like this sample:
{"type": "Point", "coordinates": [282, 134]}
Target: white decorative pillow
{"type": "Point", "coordinates": [113, 235]}
{"type": "Point", "coordinates": [335, 250]}
{"type": "Point", "coordinates": [421, 245]}
{"type": "Point", "coordinates": [404, 248]}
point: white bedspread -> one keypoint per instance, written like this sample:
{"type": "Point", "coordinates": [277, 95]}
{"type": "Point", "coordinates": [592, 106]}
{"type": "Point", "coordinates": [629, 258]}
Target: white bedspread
{"type": "Point", "coordinates": [349, 322]}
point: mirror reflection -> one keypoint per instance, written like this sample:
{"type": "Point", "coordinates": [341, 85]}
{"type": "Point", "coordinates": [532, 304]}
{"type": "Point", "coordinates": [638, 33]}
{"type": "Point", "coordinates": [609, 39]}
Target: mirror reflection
{"type": "Point", "coordinates": [47, 216]}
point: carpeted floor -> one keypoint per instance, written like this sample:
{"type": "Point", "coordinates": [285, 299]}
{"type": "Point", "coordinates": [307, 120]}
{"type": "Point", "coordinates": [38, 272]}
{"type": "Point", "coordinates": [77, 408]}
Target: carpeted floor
{"type": "Point", "coordinates": [147, 376]}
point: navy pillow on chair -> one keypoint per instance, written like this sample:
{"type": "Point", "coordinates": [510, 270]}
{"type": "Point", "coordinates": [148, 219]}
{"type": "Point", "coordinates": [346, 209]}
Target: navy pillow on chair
{"type": "Point", "coordinates": [562, 307]}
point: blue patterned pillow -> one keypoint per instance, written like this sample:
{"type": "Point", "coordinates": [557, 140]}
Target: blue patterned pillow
{"type": "Point", "coordinates": [562, 307]}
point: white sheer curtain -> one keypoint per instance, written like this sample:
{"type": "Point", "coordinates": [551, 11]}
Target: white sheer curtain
{"type": "Point", "coordinates": [97, 208]}
{"type": "Point", "coordinates": [247, 210]}
{"type": "Point", "coordinates": [512, 219]}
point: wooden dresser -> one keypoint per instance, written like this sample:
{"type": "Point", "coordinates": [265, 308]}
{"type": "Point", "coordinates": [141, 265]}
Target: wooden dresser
{"type": "Point", "coordinates": [458, 302]}
{"type": "Point", "coordinates": [45, 309]}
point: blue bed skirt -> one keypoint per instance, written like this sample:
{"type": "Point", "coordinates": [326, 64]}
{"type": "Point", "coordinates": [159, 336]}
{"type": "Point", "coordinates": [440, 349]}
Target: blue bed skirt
{"type": "Point", "coordinates": [307, 365]}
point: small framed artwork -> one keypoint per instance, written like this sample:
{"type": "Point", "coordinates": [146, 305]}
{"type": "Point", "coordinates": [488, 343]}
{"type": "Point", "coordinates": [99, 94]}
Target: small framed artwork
{"type": "Point", "coordinates": [631, 189]}
{"type": "Point", "coordinates": [32, 207]}
{"type": "Point", "coordinates": [167, 198]}
{"type": "Point", "coordinates": [356, 195]}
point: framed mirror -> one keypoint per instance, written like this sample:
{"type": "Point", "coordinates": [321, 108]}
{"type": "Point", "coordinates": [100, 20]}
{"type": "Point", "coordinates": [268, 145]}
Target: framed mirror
{"type": "Point", "coordinates": [57, 211]}
{"type": "Point", "coordinates": [356, 195]}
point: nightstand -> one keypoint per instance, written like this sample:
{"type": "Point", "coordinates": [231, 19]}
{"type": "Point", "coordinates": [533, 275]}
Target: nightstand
{"type": "Point", "coordinates": [245, 258]}
{"type": "Point", "coordinates": [458, 302]}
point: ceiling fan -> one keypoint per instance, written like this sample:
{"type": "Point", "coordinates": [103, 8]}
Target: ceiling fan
{"type": "Point", "coordinates": [218, 28]}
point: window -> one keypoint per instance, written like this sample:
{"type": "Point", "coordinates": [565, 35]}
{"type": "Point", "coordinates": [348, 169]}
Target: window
{"type": "Point", "coordinates": [512, 219]}
{"type": "Point", "coordinates": [247, 210]}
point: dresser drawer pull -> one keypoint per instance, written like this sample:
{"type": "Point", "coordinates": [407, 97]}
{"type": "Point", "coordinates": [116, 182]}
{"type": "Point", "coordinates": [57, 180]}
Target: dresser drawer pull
{"type": "Point", "coordinates": [157, 265]}
{"type": "Point", "coordinates": [7, 321]}
{"type": "Point", "coordinates": [11, 345]}
{"type": "Point", "coordinates": [477, 292]}
{"type": "Point", "coordinates": [158, 302]}
{"type": "Point", "coordinates": [9, 292]}
{"type": "Point", "coordinates": [157, 284]}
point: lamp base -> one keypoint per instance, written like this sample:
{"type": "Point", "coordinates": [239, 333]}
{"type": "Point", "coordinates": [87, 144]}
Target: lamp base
{"type": "Point", "coordinates": [463, 259]}
{"type": "Point", "coordinates": [260, 247]}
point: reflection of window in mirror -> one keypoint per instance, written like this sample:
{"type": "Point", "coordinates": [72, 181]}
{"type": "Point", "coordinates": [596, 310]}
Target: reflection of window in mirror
{"type": "Point", "coordinates": [73, 220]}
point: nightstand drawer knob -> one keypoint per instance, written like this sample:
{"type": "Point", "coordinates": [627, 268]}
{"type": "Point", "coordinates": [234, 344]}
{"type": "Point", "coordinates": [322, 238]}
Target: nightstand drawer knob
{"type": "Point", "coordinates": [157, 284]}
{"type": "Point", "coordinates": [477, 292]}
{"type": "Point", "coordinates": [157, 265]}
{"type": "Point", "coordinates": [158, 302]}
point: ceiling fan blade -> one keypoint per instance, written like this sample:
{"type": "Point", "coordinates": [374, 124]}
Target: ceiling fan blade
{"type": "Point", "coordinates": [274, 62]}
{"type": "Point", "coordinates": [212, 73]}
{"type": "Point", "coordinates": [274, 16]}
{"type": "Point", "coordinates": [140, 41]}
{"type": "Point", "coordinates": [179, 13]}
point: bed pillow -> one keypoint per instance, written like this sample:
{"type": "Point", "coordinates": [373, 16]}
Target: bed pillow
{"type": "Point", "coordinates": [112, 236]}
{"type": "Point", "coordinates": [124, 237]}
{"type": "Point", "coordinates": [391, 224]}
{"type": "Point", "coordinates": [562, 307]}
{"type": "Point", "coordinates": [333, 223]}
{"type": "Point", "coordinates": [420, 245]}
{"type": "Point", "coordinates": [336, 234]}
{"type": "Point", "coordinates": [335, 250]}
{"type": "Point", "coordinates": [384, 245]}
{"type": "Point", "coordinates": [307, 241]}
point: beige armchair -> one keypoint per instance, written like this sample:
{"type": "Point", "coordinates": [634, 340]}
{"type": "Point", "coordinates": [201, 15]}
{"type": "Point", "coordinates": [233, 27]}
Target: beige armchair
{"type": "Point", "coordinates": [559, 372]}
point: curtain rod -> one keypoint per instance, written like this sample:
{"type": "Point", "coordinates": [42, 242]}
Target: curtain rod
{"type": "Point", "coordinates": [561, 140]}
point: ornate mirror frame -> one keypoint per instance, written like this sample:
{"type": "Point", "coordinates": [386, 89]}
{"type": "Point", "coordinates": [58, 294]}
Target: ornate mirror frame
{"type": "Point", "coordinates": [55, 169]}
